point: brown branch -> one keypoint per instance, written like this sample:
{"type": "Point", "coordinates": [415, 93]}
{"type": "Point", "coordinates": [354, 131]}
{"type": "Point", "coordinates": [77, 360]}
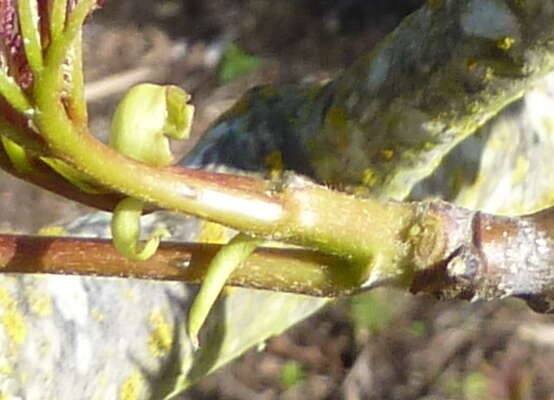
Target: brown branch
{"type": "Point", "coordinates": [478, 256]}
{"type": "Point", "coordinates": [454, 253]}
{"type": "Point", "coordinates": [277, 269]}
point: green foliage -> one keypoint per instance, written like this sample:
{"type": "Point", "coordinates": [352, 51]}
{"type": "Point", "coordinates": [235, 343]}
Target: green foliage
{"type": "Point", "coordinates": [475, 386]}
{"type": "Point", "coordinates": [292, 374]}
{"type": "Point", "coordinates": [371, 312]}
{"type": "Point", "coordinates": [236, 63]}
{"type": "Point", "coordinates": [418, 329]}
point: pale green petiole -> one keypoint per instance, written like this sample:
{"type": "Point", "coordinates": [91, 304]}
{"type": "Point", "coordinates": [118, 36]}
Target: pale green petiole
{"type": "Point", "coordinates": [12, 92]}
{"type": "Point", "coordinates": [29, 23]}
{"type": "Point", "coordinates": [222, 266]}
{"type": "Point", "coordinates": [57, 18]}
{"type": "Point", "coordinates": [74, 22]}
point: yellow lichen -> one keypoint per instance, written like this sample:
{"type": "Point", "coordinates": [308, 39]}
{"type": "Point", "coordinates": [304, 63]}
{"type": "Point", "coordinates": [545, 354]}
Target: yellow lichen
{"type": "Point", "coordinates": [546, 200]}
{"type": "Point", "coordinates": [428, 145]}
{"type": "Point", "coordinates": [97, 315]}
{"type": "Point", "coordinates": [435, 5]}
{"type": "Point", "coordinates": [161, 338]}
{"type": "Point", "coordinates": [241, 107]}
{"type": "Point", "coordinates": [11, 319]}
{"type": "Point", "coordinates": [131, 387]}
{"type": "Point", "coordinates": [210, 232]}
{"type": "Point", "coordinates": [471, 64]}
{"type": "Point", "coordinates": [414, 230]}
{"type": "Point", "coordinates": [469, 195]}
{"type": "Point", "coordinates": [40, 304]}
{"type": "Point", "coordinates": [52, 231]}
{"type": "Point", "coordinates": [520, 170]}
{"type": "Point", "coordinates": [14, 325]}
{"type": "Point", "coordinates": [274, 164]}
{"type": "Point", "coordinates": [387, 154]}
{"type": "Point", "coordinates": [496, 143]}
{"type": "Point", "coordinates": [337, 121]}
{"type": "Point", "coordinates": [547, 124]}
{"type": "Point", "coordinates": [369, 177]}
{"type": "Point", "coordinates": [6, 370]}
{"type": "Point", "coordinates": [473, 107]}
{"type": "Point", "coordinates": [268, 92]}
{"type": "Point", "coordinates": [489, 74]}
{"type": "Point", "coordinates": [505, 43]}
{"type": "Point", "coordinates": [6, 300]}
{"type": "Point", "coordinates": [130, 294]}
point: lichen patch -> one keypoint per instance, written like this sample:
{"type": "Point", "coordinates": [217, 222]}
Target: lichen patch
{"type": "Point", "coordinates": [131, 387]}
{"type": "Point", "coordinates": [11, 318]}
{"type": "Point", "coordinates": [161, 338]}
{"type": "Point", "coordinates": [40, 304]}
{"type": "Point", "coordinates": [14, 325]}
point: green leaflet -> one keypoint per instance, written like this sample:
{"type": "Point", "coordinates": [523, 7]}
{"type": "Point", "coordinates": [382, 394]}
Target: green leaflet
{"type": "Point", "coordinates": [16, 154]}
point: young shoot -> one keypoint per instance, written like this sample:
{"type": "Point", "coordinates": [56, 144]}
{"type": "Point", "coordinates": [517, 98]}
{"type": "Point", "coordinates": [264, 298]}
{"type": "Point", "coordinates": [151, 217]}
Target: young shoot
{"type": "Point", "coordinates": [141, 126]}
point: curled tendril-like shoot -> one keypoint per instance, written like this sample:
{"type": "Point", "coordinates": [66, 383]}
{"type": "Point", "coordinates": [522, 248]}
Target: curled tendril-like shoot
{"type": "Point", "coordinates": [126, 231]}
{"type": "Point", "coordinates": [228, 258]}
{"type": "Point", "coordinates": [141, 124]}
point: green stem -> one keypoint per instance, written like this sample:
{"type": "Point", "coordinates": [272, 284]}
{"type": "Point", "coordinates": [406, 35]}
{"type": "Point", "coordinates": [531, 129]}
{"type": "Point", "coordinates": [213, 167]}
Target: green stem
{"type": "Point", "coordinates": [59, 47]}
{"type": "Point", "coordinates": [29, 23]}
{"type": "Point", "coordinates": [300, 212]}
{"type": "Point", "coordinates": [365, 232]}
{"type": "Point", "coordinates": [77, 106]}
{"type": "Point", "coordinates": [75, 21]}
